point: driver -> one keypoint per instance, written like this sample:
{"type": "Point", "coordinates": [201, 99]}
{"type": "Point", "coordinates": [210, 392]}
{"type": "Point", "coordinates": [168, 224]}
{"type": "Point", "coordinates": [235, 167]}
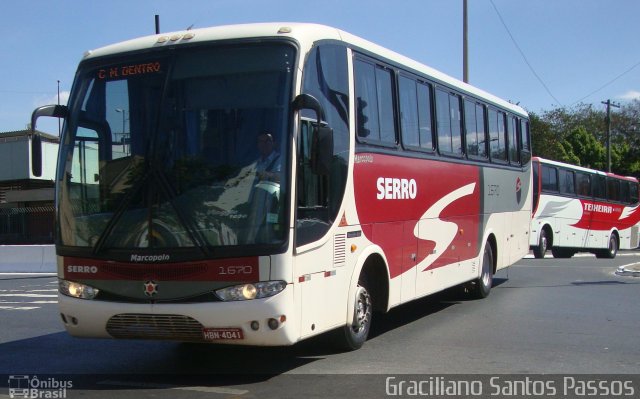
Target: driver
{"type": "Point", "coordinates": [268, 163]}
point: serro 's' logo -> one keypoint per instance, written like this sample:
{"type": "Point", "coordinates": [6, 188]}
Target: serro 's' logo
{"type": "Point", "coordinates": [150, 258]}
{"type": "Point", "coordinates": [518, 190]}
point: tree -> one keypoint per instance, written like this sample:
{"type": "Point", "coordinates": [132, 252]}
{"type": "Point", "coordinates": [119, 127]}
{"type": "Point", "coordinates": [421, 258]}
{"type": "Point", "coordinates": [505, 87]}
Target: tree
{"type": "Point", "coordinates": [583, 149]}
{"type": "Point", "coordinates": [577, 135]}
{"type": "Point", "coordinates": [544, 139]}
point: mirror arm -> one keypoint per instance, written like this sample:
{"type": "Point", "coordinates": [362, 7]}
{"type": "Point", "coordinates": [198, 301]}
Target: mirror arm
{"type": "Point", "coordinates": [56, 111]}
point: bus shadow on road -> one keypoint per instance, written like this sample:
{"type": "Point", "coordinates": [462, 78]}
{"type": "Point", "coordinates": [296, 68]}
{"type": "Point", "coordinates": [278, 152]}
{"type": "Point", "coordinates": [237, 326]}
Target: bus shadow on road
{"type": "Point", "coordinates": [100, 360]}
{"type": "Point", "coordinates": [418, 309]}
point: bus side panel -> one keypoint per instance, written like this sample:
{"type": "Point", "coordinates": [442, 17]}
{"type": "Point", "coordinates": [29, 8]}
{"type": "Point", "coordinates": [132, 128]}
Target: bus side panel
{"type": "Point", "coordinates": [424, 213]}
{"type": "Point", "coordinates": [506, 204]}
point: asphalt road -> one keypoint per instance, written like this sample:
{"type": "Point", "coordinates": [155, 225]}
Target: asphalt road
{"type": "Point", "coordinates": [548, 316]}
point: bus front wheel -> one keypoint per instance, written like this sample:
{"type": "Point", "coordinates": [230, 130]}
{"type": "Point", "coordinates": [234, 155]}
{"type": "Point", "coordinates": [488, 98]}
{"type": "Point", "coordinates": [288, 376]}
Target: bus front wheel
{"type": "Point", "coordinates": [612, 249]}
{"type": "Point", "coordinates": [356, 332]}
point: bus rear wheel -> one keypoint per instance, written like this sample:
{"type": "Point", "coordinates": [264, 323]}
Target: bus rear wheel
{"type": "Point", "coordinates": [481, 287]}
{"type": "Point", "coordinates": [356, 332]}
{"type": "Point", "coordinates": [541, 249]}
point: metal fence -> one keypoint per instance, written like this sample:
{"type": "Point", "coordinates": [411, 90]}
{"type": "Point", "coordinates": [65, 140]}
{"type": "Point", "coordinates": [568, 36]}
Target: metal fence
{"type": "Point", "coordinates": [27, 225]}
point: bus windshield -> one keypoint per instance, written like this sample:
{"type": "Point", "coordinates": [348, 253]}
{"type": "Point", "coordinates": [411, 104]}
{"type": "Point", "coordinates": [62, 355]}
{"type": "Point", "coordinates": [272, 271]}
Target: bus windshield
{"type": "Point", "coordinates": [180, 149]}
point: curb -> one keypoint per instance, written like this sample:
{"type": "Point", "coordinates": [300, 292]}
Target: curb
{"type": "Point", "coordinates": [632, 270]}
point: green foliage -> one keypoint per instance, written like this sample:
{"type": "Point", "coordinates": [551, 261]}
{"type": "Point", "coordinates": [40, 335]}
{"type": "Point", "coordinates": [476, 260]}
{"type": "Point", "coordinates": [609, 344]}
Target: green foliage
{"type": "Point", "coordinates": [578, 136]}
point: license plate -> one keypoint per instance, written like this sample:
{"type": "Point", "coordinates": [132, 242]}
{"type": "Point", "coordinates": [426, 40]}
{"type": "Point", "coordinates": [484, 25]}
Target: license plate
{"type": "Point", "coordinates": [217, 334]}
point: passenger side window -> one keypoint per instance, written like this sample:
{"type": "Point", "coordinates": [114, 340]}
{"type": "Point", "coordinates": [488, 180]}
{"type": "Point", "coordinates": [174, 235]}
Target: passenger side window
{"type": "Point", "coordinates": [524, 135]}
{"type": "Point", "coordinates": [633, 193]}
{"type": "Point", "coordinates": [449, 122]}
{"type": "Point", "coordinates": [583, 184]}
{"type": "Point", "coordinates": [374, 103]}
{"type": "Point", "coordinates": [415, 114]}
{"type": "Point", "coordinates": [549, 178]}
{"type": "Point", "coordinates": [497, 142]}
{"type": "Point", "coordinates": [613, 189]}
{"type": "Point", "coordinates": [475, 131]}
{"type": "Point", "coordinates": [514, 154]}
{"type": "Point", "coordinates": [567, 185]}
{"type": "Point", "coordinates": [624, 192]}
{"type": "Point", "coordinates": [598, 187]}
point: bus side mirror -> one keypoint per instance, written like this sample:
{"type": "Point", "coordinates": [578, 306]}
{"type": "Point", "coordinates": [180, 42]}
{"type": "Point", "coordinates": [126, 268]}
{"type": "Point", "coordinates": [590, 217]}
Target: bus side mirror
{"type": "Point", "coordinates": [36, 155]}
{"type": "Point", "coordinates": [55, 111]}
{"type": "Point", "coordinates": [322, 140]}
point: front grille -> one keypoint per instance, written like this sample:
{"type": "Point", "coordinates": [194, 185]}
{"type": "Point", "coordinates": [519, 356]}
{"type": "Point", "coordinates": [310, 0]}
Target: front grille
{"type": "Point", "coordinates": [159, 272]}
{"type": "Point", "coordinates": [107, 296]}
{"type": "Point", "coordinates": [148, 326]}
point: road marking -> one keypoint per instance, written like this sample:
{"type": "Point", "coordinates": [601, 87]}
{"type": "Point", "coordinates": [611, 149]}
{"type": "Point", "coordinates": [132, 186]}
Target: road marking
{"type": "Point", "coordinates": [134, 384]}
{"type": "Point", "coordinates": [11, 299]}
{"type": "Point", "coordinates": [582, 255]}
{"type": "Point", "coordinates": [19, 307]}
{"type": "Point", "coordinates": [551, 267]}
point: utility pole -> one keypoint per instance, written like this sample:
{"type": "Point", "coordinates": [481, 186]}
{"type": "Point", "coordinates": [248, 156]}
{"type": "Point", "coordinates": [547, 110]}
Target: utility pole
{"type": "Point", "coordinates": [465, 42]}
{"type": "Point", "coordinates": [609, 104]}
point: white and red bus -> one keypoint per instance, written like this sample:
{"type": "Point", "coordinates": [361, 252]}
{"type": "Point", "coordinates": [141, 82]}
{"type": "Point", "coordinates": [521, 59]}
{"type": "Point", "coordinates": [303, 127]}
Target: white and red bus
{"type": "Point", "coordinates": [261, 184]}
{"type": "Point", "coordinates": [578, 209]}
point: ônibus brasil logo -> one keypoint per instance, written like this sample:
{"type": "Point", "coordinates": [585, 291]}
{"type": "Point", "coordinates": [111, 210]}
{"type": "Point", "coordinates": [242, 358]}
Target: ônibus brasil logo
{"type": "Point", "coordinates": [24, 386]}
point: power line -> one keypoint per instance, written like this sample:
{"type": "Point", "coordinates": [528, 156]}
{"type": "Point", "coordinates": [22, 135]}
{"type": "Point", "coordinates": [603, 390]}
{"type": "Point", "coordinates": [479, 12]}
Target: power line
{"type": "Point", "coordinates": [524, 57]}
{"type": "Point", "coordinates": [26, 92]}
{"type": "Point", "coordinates": [607, 84]}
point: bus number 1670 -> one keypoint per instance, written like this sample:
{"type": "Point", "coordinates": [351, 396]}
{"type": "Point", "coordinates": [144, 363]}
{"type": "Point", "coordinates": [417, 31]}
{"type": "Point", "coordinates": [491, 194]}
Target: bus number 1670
{"type": "Point", "coordinates": [235, 270]}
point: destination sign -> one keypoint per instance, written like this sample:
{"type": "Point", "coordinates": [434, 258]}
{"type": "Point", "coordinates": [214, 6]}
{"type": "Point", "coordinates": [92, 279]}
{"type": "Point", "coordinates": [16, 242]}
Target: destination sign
{"type": "Point", "coordinates": [124, 71]}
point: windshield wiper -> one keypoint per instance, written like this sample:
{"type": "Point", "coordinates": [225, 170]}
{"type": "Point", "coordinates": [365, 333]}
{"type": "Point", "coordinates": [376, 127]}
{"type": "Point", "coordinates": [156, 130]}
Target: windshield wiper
{"type": "Point", "coordinates": [192, 230]}
{"type": "Point", "coordinates": [122, 208]}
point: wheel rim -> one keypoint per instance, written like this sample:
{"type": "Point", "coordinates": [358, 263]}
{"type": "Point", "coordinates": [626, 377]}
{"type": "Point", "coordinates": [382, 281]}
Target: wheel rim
{"type": "Point", "coordinates": [612, 245]}
{"type": "Point", "coordinates": [486, 267]}
{"type": "Point", "coordinates": [543, 244]}
{"type": "Point", "coordinates": [362, 314]}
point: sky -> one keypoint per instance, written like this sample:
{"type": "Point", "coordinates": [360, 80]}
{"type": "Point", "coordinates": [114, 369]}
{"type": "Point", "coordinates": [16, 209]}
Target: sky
{"type": "Point", "coordinates": [540, 54]}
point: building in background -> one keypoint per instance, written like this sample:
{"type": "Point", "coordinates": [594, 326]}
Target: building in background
{"type": "Point", "coordinates": [26, 201]}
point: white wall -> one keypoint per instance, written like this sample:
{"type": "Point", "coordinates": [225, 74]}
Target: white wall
{"type": "Point", "coordinates": [27, 259]}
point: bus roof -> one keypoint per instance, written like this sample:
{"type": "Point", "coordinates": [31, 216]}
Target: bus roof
{"type": "Point", "coordinates": [582, 169]}
{"type": "Point", "coordinates": [305, 34]}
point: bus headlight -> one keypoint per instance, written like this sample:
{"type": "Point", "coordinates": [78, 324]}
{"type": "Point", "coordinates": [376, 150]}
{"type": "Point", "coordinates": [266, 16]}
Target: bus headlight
{"type": "Point", "coordinates": [244, 292]}
{"type": "Point", "coordinates": [77, 290]}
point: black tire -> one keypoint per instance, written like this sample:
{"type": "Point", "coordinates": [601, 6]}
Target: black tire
{"type": "Point", "coordinates": [541, 249]}
{"type": "Point", "coordinates": [481, 287]}
{"type": "Point", "coordinates": [612, 249]}
{"type": "Point", "coordinates": [356, 332]}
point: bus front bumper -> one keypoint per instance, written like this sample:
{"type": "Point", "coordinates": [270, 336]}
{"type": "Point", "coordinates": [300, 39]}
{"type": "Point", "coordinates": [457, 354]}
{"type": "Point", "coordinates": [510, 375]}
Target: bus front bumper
{"type": "Point", "coordinates": [265, 322]}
